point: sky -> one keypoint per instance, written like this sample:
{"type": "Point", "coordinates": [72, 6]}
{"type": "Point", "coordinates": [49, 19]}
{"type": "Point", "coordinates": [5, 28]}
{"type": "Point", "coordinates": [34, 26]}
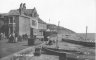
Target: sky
{"type": "Point", "coordinates": [72, 14]}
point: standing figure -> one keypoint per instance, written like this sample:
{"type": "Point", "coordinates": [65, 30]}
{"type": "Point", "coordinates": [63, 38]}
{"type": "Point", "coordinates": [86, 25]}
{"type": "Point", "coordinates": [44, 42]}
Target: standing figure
{"type": "Point", "coordinates": [11, 38]}
{"type": "Point", "coordinates": [0, 36]}
{"type": "Point", "coordinates": [16, 37]}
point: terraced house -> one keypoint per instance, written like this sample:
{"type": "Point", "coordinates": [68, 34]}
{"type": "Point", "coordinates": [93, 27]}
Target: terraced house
{"type": "Point", "coordinates": [23, 21]}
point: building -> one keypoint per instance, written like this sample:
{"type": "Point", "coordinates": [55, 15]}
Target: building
{"type": "Point", "coordinates": [3, 25]}
{"type": "Point", "coordinates": [1, 21]}
{"type": "Point", "coordinates": [24, 21]}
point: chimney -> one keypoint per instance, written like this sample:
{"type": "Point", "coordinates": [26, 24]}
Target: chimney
{"type": "Point", "coordinates": [22, 8]}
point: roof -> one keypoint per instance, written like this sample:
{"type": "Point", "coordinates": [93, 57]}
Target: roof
{"type": "Point", "coordinates": [51, 26]}
{"type": "Point", "coordinates": [27, 12]}
{"type": "Point", "coordinates": [14, 12]}
{"type": "Point", "coordinates": [3, 14]}
{"type": "Point", "coordinates": [41, 21]}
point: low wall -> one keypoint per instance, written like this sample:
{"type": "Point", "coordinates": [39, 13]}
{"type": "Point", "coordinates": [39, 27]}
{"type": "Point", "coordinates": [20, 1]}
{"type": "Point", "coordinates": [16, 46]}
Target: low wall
{"type": "Point", "coordinates": [87, 44]}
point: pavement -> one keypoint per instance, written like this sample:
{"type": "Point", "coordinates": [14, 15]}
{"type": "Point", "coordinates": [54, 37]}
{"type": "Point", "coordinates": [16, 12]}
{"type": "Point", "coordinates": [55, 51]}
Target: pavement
{"type": "Point", "coordinates": [10, 48]}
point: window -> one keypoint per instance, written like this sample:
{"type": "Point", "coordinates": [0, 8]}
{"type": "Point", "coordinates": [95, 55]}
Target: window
{"type": "Point", "coordinates": [34, 23]}
{"type": "Point", "coordinates": [11, 20]}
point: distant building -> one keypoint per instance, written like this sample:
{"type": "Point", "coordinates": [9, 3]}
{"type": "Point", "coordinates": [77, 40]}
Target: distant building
{"type": "Point", "coordinates": [52, 27]}
{"type": "Point", "coordinates": [23, 21]}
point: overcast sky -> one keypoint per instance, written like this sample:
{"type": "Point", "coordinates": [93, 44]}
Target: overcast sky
{"type": "Point", "coordinates": [72, 14]}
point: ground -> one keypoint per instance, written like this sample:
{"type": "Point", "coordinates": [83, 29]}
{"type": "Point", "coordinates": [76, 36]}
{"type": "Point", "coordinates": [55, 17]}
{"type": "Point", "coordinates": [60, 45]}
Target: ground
{"type": "Point", "coordinates": [45, 57]}
{"type": "Point", "coordinates": [88, 53]}
{"type": "Point", "coordinates": [10, 48]}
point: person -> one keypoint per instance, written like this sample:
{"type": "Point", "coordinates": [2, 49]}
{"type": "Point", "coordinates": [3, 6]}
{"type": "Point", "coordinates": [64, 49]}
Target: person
{"type": "Point", "coordinates": [16, 37]}
{"type": "Point", "coordinates": [11, 38]}
{"type": "Point", "coordinates": [25, 37]}
{"type": "Point", "coordinates": [20, 38]}
{"type": "Point", "coordinates": [0, 36]}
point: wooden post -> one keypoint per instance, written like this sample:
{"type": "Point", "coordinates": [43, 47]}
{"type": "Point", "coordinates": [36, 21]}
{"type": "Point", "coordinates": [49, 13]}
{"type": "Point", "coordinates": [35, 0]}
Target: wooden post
{"type": "Point", "coordinates": [86, 33]}
{"type": "Point", "coordinates": [49, 21]}
{"type": "Point", "coordinates": [57, 35]}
